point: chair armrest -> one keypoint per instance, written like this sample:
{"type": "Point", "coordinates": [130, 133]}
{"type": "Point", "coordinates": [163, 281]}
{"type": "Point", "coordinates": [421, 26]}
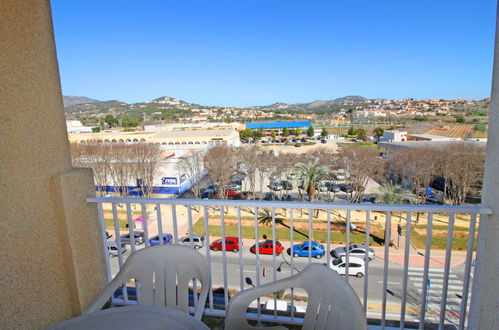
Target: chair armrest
{"type": "Point", "coordinates": [236, 310]}
{"type": "Point", "coordinates": [104, 296]}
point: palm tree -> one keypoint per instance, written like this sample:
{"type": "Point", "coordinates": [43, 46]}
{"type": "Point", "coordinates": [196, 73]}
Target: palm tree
{"type": "Point", "coordinates": [310, 174]}
{"type": "Point", "coordinates": [392, 194]}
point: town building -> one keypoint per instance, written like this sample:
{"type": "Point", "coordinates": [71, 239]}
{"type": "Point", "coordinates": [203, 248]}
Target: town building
{"type": "Point", "coordinates": [393, 136]}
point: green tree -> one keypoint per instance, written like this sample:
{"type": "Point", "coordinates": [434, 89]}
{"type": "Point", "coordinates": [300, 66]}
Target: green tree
{"type": "Point", "coordinates": [460, 119]}
{"type": "Point", "coordinates": [297, 132]}
{"type": "Point", "coordinates": [324, 132]}
{"type": "Point", "coordinates": [481, 127]}
{"type": "Point", "coordinates": [127, 122]}
{"type": "Point", "coordinates": [361, 133]}
{"type": "Point", "coordinates": [378, 133]}
{"type": "Point", "coordinates": [285, 132]}
{"type": "Point", "coordinates": [273, 134]}
{"type": "Point", "coordinates": [95, 129]}
{"type": "Point", "coordinates": [310, 174]}
{"type": "Point", "coordinates": [351, 131]}
{"type": "Point", "coordinates": [257, 134]}
{"type": "Point", "coordinates": [310, 131]}
{"type": "Point", "coordinates": [110, 120]}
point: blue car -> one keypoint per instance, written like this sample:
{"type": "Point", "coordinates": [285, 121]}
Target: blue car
{"type": "Point", "coordinates": [167, 239]}
{"type": "Point", "coordinates": [302, 250]}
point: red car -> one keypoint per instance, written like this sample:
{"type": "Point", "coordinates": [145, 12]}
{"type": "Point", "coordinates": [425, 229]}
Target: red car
{"type": "Point", "coordinates": [231, 244]}
{"type": "Point", "coordinates": [266, 247]}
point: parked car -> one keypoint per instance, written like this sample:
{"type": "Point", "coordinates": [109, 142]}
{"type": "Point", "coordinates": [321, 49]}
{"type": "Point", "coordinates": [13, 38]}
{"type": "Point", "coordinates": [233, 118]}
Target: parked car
{"type": "Point", "coordinates": [197, 241]}
{"type": "Point", "coordinates": [155, 240]}
{"type": "Point", "coordinates": [319, 187]}
{"type": "Point", "coordinates": [356, 266]}
{"type": "Point", "coordinates": [298, 144]}
{"type": "Point", "coordinates": [331, 186]}
{"type": "Point", "coordinates": [230, 192]}
{"type": "Point", "coordinates": [345, 187]}
{"type": "Point", "coordinates": [207, 194]}
{"type": "Point", "coordinates": [267, 247]}
{"type": "Point", "coordinates": [323, 141]}
{"type": "Point", "coordinates": [356, 250]}
{"type": "Point", "coordinates": [304, 140]}
{"type": "Point", "coordinates": [286, 185]}
{"type": "Point", "coordinates": [137, 235]}
{"type": "Point", "coordinates": [270, 196]}
{"type": "Point", "coordinates": [231, 244]}
{"type": "Point", "coordinates": [275, 185]}
{"type": "Point", "coordinates": [301, 250]}
{"type": "Point", "coordinates": [287, 198]}
{"type": "Point", "coordinates": [112, 248]}
{"type": "Point", "coordinates": [292, 176]}
{"type": "Point", "coordinates": [234, 186]}
{"type": "Point", "coordinates": [340, 176]}
{"type": "Point", "coordinates": [282, 306]}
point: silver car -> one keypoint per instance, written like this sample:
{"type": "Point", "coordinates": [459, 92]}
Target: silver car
{"type": "Point", "coordinates": [112, 248]}
{"type": "Point", "coordinates": [137, 235]}
{"type": "Point", "coordinates": [356, 250]}
{"type": "Point", "coordinates": [197, 241]}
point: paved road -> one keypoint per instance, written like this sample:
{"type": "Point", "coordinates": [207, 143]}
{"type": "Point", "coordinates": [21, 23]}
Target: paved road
{"type": "Point", "coordinates": [375, 281]}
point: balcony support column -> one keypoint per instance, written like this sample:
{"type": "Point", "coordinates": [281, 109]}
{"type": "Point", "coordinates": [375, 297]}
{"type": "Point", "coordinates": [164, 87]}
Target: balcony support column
{"type": "Point", "coordinates": [51, 250]}
{"type": "Point", "coordinates": [485, 297]}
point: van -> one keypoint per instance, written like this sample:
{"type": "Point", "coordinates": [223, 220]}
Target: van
{"type": "Point", "coordinates": [112, 248]}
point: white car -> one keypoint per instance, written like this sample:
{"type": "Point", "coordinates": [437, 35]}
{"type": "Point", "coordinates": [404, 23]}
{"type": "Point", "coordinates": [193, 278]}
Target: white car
{"type": "Point", "coordinates": [112, 248]}
{"type": "Point", "coordinates": [356, 266]}
{"type": "Point", "coordinates": [356, 250]}
{"type": "Point", "coordinates": [292, 176]}
{"type": "Point", "coordinates": [282, 306]}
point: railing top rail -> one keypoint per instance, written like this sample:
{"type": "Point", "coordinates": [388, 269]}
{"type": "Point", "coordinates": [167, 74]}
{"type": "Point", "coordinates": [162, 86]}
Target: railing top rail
{"type": "Point", "coordinates": [300, 205]}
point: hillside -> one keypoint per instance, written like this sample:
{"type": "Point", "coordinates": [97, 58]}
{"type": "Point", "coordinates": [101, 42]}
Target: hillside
{"type": "Point", "coordinates": [73, 100]}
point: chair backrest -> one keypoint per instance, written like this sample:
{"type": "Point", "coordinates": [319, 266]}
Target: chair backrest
{"type": "Point", "coordinates": [163, 273]}
{"type": "Point", "coordinates": [332, 303]}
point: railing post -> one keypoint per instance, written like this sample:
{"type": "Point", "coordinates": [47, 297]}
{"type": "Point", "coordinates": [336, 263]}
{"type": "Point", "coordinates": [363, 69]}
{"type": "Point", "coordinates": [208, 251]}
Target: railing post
{"type": "Point", "coordinates": [484, 300]}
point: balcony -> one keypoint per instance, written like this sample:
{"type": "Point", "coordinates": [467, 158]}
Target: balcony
{"type": "Point", "coordinates": [420, 275]}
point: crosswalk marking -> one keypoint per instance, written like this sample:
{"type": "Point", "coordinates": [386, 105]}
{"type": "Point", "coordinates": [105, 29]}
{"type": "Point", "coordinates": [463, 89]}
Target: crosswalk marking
{"type": "Point", "coordinates": [435, 290]}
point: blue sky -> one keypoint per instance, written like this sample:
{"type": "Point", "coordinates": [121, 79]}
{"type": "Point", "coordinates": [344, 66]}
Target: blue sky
{"type": "Point", "coordinates": [242, 53]}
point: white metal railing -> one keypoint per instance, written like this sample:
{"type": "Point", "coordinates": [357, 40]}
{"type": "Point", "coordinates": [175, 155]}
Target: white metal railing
{"type": "Point", "coordinates": [416, 301]}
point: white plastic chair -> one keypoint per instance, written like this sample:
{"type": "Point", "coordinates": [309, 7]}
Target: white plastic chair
{"type": "Point", "coordinates": [332, 303]}
{"type": "Point", "coordinates": [164, 273]}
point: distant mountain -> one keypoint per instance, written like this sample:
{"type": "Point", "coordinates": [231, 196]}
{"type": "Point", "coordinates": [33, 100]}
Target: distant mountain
{"type": "Point", "coordinates": [347, 100]}
{"type": "Point", "coordinates": [72, 100]}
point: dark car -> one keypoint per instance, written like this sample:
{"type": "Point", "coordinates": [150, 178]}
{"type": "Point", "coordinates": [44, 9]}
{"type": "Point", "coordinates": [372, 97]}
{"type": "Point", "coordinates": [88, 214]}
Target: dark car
{"type": "Point", "coordinates": [298, 144]}
{"type": "Point", "coordinates": [167, 239]}
{"type": "Point", "coordinates": [286, 185]}
{"type": "Point", "coordinates": [331, 186]}
{"type": "Point", "coordinates": [287, 198]}
{"type": "Point", "coordinates": [346, 187]}
{"type": "Point", "coordinates": [323, 141]}
{"type": "Point", "coordinates": [137, 235]}
{"type": "Point", "coordinates": [270, 196]}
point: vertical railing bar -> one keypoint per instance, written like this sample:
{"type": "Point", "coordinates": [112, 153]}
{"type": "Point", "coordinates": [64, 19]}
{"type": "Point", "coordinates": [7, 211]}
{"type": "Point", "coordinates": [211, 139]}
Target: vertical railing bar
{"type": "Point", "coordinates": [328, 244]}
{"type": "Point", "coordinates": [425, 271]}
{"type": "Point", "coordinates": [189, 219]}
{"type": "Point", "coordinates": [208, 257]}
{"type": "Point", "coordinates": [274, 270]}
{"type": "Point", "coordinates": [406, 270]}
{"type": "Point", "coordinates": [291, 237]}
{"type": "Point", "coordinates": [174, 220]}
{"type": "Point", "coordinates": [118, 247]}
{"type": "Point", "coordinates": [448, 253]}
{"type": "Point", "coordinates": [467, 270]}
{"type": "Point", "coordinates": [347, 247]}
{"type": "Point", "coordinates": [224, 256]}
{"type": "Point", "coordinates": [160, 220]}
{"type": "Point", "coordinates": [309, 235]}
{"type": "Point", "coordinates": [118, 235]}
{"type": "Point", "coordinates": [100, 212]}
{"type": "Point", "coordinates": [366, 258]}
{"type": "Point", "coordinates": [388, 217]}
{"type": "Point", "coordinates": [191, 244]}
{"type": "Point", "coordinates": [240, 237]}
{"type": "Point", "coordinates": [144, 223]}
{"type": "Point", "coordinates": [257, 260]}
{"type": "Point", "coordinates": [131, 228]}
